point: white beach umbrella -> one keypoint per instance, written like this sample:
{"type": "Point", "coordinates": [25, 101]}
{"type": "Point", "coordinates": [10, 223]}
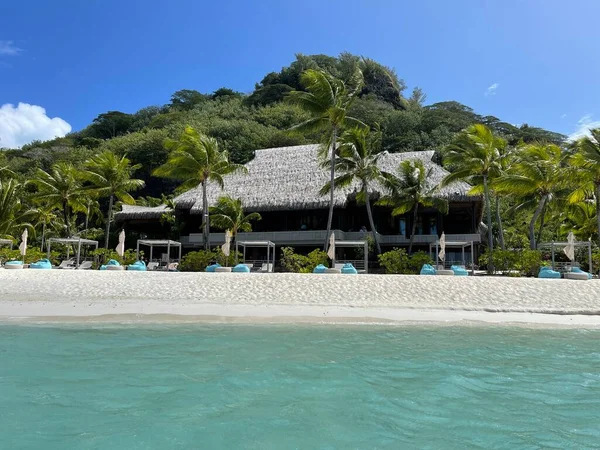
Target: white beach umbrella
{"type": "Point", "coordinates": [442, 252]}
{"type": "Point", "coordinates": [225, 248]}
{"type": "Point", "coordinates": [121, 245]}
{"type": "Point", "coordinates": [570, 248]}
{"type": "Point", "coordinates": [331, 250]}
{"type": "Point", "coordinates": [23, 245]}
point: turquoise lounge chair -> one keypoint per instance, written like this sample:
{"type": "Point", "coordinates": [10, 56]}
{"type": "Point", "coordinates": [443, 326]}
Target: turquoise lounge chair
{"type": "Point", "coordinates": [113, 264]}
{"type": "Point", "coordinates": [138, 266]}
{"type": "Point", "coordinates": [212, 267]}
{"type": "Point", "coordinates": [13, 265]}
{"type": "Point", "coordinates": [41, 264]}
{"type": "Point", "coordinates": [349, 268]}
{"type": "Point", "coordinates": [460, 271]}
{"type": "Point", "coordinates": [547, 272]}
{"type": "Point", "coordinates": [427, 269]}
{"type": "Point", "coordinates": [578, 270]}
{"type": "Point", "coordinates": [241, 268]}
{"type": "Point", "coordinates": [320, 269]}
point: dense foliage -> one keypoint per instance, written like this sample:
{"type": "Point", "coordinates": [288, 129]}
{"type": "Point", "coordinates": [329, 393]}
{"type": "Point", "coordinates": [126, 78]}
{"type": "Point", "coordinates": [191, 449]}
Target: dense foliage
{"type": "Point", "coordinates": [399, 262]}
{"type": "Point", "coordinates": [294, 262]}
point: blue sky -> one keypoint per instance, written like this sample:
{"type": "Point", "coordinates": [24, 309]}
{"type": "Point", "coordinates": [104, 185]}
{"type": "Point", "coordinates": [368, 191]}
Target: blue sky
{"type": "Point", "coordinates": [77, 59]}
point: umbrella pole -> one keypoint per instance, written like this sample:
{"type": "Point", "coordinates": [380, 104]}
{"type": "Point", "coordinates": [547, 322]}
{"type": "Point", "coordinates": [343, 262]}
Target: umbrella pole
{"type": "Point", "coordinates": [553, 256]}
{"type": "Point", "coordinates": [168, 254]}
{"type": "Point", "coordinates": [78, 254]}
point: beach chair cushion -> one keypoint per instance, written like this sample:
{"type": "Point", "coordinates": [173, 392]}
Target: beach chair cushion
{"type": "Point", "coordinates": [547, 272]}
{"type": "Point", "coordinates": [460, 271]}
{"type": "Point", "coordinates": [13, 265]}
{"type": "Point", "coordinates": [349, 269]}
{"type": "Point", "coordinates": [577, 275]}
{"type": "Point", "coordinates": [578, 270]}
{"type": "Point", "coordinates": [138, 266]}
{"type": "Point", "coordinates": [212, 267]}
{"type": "Point", "coordinates": [241, 268]}
{"type": "Point", "coordinates": [41, 264]}
{"type": "Point", "coordinates": [320, 269]}
{"type": "Point", "coordinates": [427, 269]}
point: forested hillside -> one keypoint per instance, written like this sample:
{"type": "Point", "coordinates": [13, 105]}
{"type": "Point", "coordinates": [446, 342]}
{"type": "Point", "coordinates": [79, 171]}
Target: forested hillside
{"type": "Point", "coordinates": [243, 123]}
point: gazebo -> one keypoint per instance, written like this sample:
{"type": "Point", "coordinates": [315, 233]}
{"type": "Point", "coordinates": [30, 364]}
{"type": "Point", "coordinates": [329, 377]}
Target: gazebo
{"type": "Point", "coordinates": [454, 244]}
{"type": "Point", "coordinates": [270, 251]}
{"type": "Point", "coordinates": [158, 243]}
{"type": "Point", "coordinates": [8, 242]}
{"type": "Point", "coordinates": [560, 245]}
{"type": "Point", "coordinates": [359, 244]}
{"type": "Point", "coordinates": [71, 241]}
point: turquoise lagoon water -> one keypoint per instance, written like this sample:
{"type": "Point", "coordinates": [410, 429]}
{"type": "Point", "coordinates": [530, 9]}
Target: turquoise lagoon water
{"type": "Point", "coordinates": [306, 387]}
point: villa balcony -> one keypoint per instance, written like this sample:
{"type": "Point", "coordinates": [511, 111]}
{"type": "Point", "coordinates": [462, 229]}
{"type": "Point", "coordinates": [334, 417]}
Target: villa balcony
{"type": "Point", "coordinates": [317, 238]}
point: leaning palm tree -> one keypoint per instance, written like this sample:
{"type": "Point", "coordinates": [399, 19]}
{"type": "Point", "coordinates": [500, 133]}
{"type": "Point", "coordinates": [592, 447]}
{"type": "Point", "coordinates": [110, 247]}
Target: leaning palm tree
{"type": "Point", "coordinates": [475, 156]}
{"type": "Point", "coordinates": [328, 100]}
{"type": "Point", "coordinates": [195, 159]}
{"type": "Point", "coordinates": [358, 160]}
{"type": "Point", "coordinates": [60, 189]}
{"type": "Point", "coordinates": [410, 189]}
{"type": "Point", "coordinates": [587, 159]}
{"type": "Point", "coordinates": [110, 176]}
{"type": "Point", "coordinates": [228, 214]}
{"type": "Point", "coordinates": [536, 177]}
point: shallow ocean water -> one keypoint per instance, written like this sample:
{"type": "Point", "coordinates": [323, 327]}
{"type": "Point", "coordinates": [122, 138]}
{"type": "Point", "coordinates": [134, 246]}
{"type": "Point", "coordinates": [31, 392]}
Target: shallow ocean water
{"type": "Point", "coordinates": [305, 387]}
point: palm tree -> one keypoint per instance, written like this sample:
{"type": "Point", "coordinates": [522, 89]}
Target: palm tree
{"type": "Point", "coordinates": [410, 189]}
{"type": "Point", "coordinates": [581, 219]}
{"type": "Point", "coordinates": [537, 176]}
{"type": "Point", "coordinates": [228, 214]}
{"type": "Point", "coordinates": [195, 159]}
{"type": "Point", "coordinates": [45, 216]}
{"type": "Point", "coordinates": [475, 156]}
{"type": "Point", "coordinates": [110, 176]}
{"type": "Point", "coordinates": [327, 99]}
{"type": "Point", "coordinates": [60, 189]}
{"type": "Point", "coordinates": [358, 160]}
{"type": "Point", "coordinates": [13, 215]}
{"type": "Point", "coordinates": [587, 159]}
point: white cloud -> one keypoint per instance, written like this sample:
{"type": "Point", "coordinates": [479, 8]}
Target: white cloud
{"type": "Point", "coordinates": [9, 48]}
{"type": "Point", "coordinates": [25, 123]}
{"type": "Point", "coordinates": [563, 116]}
{"type": "Point", "coordinates": [491, 90]}
{"type": "Point", "coordinates": [583, 127]}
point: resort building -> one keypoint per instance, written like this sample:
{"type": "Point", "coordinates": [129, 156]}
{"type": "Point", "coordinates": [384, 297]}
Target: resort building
{"type": "Point", "coordinates": [283, 185]}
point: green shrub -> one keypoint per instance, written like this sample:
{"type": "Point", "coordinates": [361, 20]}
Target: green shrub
{"type": "Point", "coordinates": [416, 261]}
{"type": "Point", "coordinates": [33, 254]}
{"type": "Point", "coordinates": [292, 262]}
{"type": "Point", "coordinates": [197, 261]}
{"type": "Point", "coordinates": [102, 256]}
{"type": "Point", "coordinates": [394, 261]}
{"type": "Point", "coordinates": [525, 262]}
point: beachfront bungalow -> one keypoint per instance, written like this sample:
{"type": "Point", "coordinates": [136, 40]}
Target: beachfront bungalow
{"type": "Point", "coordinates": [283, 184]}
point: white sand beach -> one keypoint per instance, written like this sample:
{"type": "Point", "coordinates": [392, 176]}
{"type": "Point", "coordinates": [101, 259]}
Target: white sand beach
{"type": "Point", "coordinates": [56, 295]}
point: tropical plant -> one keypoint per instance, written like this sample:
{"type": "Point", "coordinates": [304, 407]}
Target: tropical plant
{"type": "Point", "coordinates": [327, 99]}
{"type": "Point", "coordinates": [476, 156]}
{"type": "Point", "coordinates": [110, 176]}
{"type": "Point", "coordinates": [195, 159]}
{"type": "Point", "coordinates": [13, 214]}
{"type": "Point", "coordinates": [587, 159]}
{"type": "Point", "coordinates": [581, 218]}
{"type": "Point", "coordinates": [228, 214]}
{"type": "Point", "coordinates": [44, 217]}
{"type": "Point", "coordinates": [60, 189]}
{"type": "Point", "coordinates": [536, 177]}
{"type": "Point", "coordinates": [358, 158]}
{"type": "Point", "coordinates": [294, 262]}
{"type": "Point", "coordinates": [410, 189]}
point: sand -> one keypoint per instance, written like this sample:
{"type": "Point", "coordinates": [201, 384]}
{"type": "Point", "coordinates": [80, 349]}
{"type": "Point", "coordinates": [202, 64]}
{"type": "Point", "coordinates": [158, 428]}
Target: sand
{"type": "Point", "coordinates": [67, 295]}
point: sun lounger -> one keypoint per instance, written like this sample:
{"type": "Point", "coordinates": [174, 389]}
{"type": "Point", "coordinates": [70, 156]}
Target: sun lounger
{"type": "Point", "coordinates": [66, 264]}
{"type": "Point", "coordinates": [86, 265]}
{"type": "Point", "coordinates": [547, 272]}
{"type": "Point", "coordinates": [152, 265]}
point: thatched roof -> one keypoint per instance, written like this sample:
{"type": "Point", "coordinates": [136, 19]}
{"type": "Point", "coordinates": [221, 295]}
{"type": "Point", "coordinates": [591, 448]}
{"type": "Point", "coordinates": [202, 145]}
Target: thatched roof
{"type": "Point", "coordinates": [141, 212]}
{"type": "Point", "coordinates": [290, 178]}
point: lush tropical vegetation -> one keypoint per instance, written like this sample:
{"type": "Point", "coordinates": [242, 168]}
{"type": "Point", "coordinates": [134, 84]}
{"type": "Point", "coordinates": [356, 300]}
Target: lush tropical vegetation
{"type": "Point", "coordinates": [537, 186]}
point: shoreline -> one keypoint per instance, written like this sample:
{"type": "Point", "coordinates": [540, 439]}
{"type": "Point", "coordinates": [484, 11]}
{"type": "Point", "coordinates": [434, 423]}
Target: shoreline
{"type": "Point", "coordinates": [57, 296]}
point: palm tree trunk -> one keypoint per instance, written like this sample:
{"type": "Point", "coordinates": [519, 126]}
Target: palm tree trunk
{"type": "Point", "coordinates": [332, 184]}
{"type": "Point", "coordinates": [488, 208]}
{"type": "Point", "coordinates": [499, 221]}
{"type": "Point", "coordinates": [414, 229]}
{"type": "Point", "coordinates": [206, 229]}
{"type": "Point", "coordinates": [542, 223]}
{"type": "Point", "coordinates": [598, 209]}
{"type": "Point", "coordinates": [43, 235]}
{"type": "Point", "coordinates": [536, 214]}
{"type": "Point", "coordinates": [108, 219]}
{"type": "Point", "coordinates": [371, 221]}
{"type": "Point", "coordinates": [67, 218]}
